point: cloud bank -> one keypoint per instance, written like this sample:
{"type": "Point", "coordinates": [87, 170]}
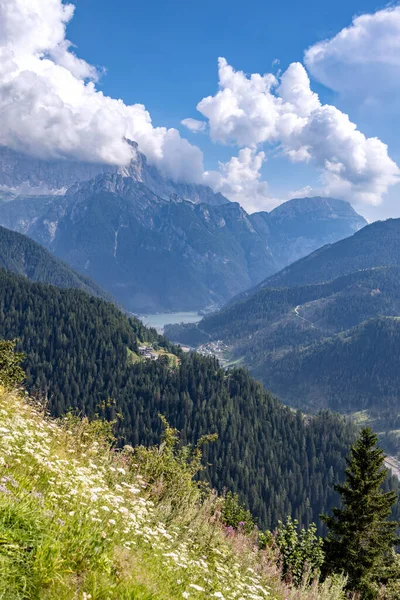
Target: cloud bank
{"type": "Point", "coordinates": [50, 107]}
{"type": "Point", "coordinates": [362, 60]}
{"type": "Point", "coordinates": [260, 109]}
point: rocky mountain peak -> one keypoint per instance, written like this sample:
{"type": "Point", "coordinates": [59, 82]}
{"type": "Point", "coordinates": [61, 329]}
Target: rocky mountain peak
{"type": "Point", "coordinates": [21, 174]}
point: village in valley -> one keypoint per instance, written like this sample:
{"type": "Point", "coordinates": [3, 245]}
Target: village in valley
{"type": "Point", "coordinates": [217, 349]}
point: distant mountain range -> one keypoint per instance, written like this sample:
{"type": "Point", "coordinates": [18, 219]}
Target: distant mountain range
{"type": "Point", "coordinates": [158, 245]}
{"type": "Point", "coordinates": [21, 255]}
{"type": "Point", "coordinates": [325, 331]}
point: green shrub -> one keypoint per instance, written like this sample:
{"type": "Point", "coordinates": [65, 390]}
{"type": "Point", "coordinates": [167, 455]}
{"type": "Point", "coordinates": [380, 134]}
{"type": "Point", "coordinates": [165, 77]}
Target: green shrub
{"type": "Point", "coordinates": [11, 373]}
{"type": "Point", "coordinates": [235, 515]}
{"type": "Point", "coordinates": [300, 553]}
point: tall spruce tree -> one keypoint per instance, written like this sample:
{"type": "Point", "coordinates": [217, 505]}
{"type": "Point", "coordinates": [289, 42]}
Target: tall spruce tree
{"type": "Point", "coordinates": [361, 539]}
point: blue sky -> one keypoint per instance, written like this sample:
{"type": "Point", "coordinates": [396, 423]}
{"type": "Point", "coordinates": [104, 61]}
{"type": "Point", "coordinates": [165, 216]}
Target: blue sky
{"type": "Point", "coordinates": [163, 54]}
{"type": "Point", "coordinates": [263, 139]}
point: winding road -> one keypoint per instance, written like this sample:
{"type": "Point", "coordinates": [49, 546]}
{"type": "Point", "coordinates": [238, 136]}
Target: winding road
{"type": "Point", "coordinates": [296, 311]}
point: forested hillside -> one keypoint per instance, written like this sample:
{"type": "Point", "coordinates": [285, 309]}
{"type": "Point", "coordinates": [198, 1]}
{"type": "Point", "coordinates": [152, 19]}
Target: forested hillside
{"type": "Point", "coordinates": [82, 353]}
{"type": "Point", "coordinates": [373, 246]}
{"type": "Point", "coordinates": [355, 371]}
{"type": "Point", "coordinates": [277, 319]}
{"type": "Point", "coordinates": [319, 345]}
{"type": "Point", "coordinates": [23, 256]}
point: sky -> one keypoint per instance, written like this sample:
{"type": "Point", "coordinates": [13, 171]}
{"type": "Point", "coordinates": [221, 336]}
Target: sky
{"type": "Point", "coordinates": [263, 101]}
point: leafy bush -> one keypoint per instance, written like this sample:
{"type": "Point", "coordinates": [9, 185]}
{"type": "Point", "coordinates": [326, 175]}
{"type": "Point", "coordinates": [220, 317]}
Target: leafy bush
{"type": "Point", "coordinates": [300, 553]}
{"type": "Point", "coordinates": [235, 515]}
{"type": "Point", "coordinates": [11, 373]}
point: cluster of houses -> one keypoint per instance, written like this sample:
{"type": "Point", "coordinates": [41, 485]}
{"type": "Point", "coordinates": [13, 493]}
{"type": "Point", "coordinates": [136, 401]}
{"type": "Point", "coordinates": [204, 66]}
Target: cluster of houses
{"type": "Point", "coordinates": [148, 353]}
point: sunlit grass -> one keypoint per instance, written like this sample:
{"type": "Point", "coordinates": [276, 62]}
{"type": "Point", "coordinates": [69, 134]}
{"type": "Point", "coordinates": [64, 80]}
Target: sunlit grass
{"type": "Point", "coordinates": [79, 520]}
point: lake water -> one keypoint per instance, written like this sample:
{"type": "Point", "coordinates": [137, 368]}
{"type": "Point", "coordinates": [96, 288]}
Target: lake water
{"type": "Point", "coordinates": [160, 320]}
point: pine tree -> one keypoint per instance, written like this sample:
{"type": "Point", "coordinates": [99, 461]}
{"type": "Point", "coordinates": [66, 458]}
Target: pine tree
{"type": "Point", "coordinates": [361, 539]}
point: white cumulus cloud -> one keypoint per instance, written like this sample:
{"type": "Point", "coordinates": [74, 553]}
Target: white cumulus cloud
{"type": "Point", "coordinates": [50, 107]}
{"type": "Point", "coordinates": [257, 109]}
{"type": "Point", "coordinates": [363, 59]}
{"type": "Point", "coordinates": [239, 179]}
{"type": "Point", "coordinates": [243, 111]}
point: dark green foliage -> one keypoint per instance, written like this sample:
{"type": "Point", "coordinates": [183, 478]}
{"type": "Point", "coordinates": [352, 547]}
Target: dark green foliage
{"type": "Point", "coordinates": [23, 256]}
{"type": "Point", "coordinates": [266, 321]}
{"type": "Point", "coordinates": [235, 515]}
{"type": "Point", "coordinates": [323, 345]}
{"type": "Point", "coordinates": [77, 346]}
{"type": "Point", "coordinates": [186, 333]}
{"type": "Point", "coordinates": [353, 371]}
{"type": "Point", "coordinates": [300, 553]}
{"type": "Point", "coordinates": [11, 373]}
{"type": "Point", "coordinates": [361, 540]}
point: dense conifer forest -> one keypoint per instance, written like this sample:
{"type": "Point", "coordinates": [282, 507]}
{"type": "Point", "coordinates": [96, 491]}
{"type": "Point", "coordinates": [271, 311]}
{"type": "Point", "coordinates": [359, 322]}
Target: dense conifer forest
{"type": "Point", "coordinates": [21, 255]}
{"type": "Point", "coordinates": [329, 345]}
{"type": "Point", "coordinates": [81, 353]}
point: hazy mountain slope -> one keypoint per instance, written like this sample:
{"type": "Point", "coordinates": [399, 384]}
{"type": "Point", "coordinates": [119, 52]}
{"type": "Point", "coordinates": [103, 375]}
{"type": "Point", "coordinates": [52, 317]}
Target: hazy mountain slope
{"type": "Point", "coordinates": [23, 256]}
{"type": "Point", "coordinates": [329, 345]}
{"type": "Point", "coordinates": [156, 254]}
{"type": "Point", "coordinates": [280, 318]}
{"type": "Point", "coordinates": [301, 225]}
{"type": "Point", "coordinates": [96, 346]}
{"type": "Point", "coordinates": [150, 253]}
{"type": "Point", "coordinates": [332, 344]}
{"type": "Point", "coordinates": [375, 245]}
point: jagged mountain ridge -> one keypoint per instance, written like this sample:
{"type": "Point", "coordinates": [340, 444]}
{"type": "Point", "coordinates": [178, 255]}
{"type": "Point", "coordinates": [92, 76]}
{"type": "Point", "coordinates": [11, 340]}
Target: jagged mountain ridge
{"type": "Point", "coordinates": [152, 253]}
{"type": "Point", "coordinates": [21, 174]}
{"type": "Point", "coordinates": [158, 245]}
{"type": "Point", "coordinates": [156, 254]}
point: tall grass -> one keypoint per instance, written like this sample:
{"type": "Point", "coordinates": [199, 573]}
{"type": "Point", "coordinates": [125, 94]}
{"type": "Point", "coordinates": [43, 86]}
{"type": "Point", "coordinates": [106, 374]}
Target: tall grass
{"type": "Point", "coordinates": [80, 520]}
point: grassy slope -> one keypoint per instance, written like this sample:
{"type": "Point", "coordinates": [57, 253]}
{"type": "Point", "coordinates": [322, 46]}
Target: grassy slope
{"type": "Point", "coordinates": [79, 521]}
